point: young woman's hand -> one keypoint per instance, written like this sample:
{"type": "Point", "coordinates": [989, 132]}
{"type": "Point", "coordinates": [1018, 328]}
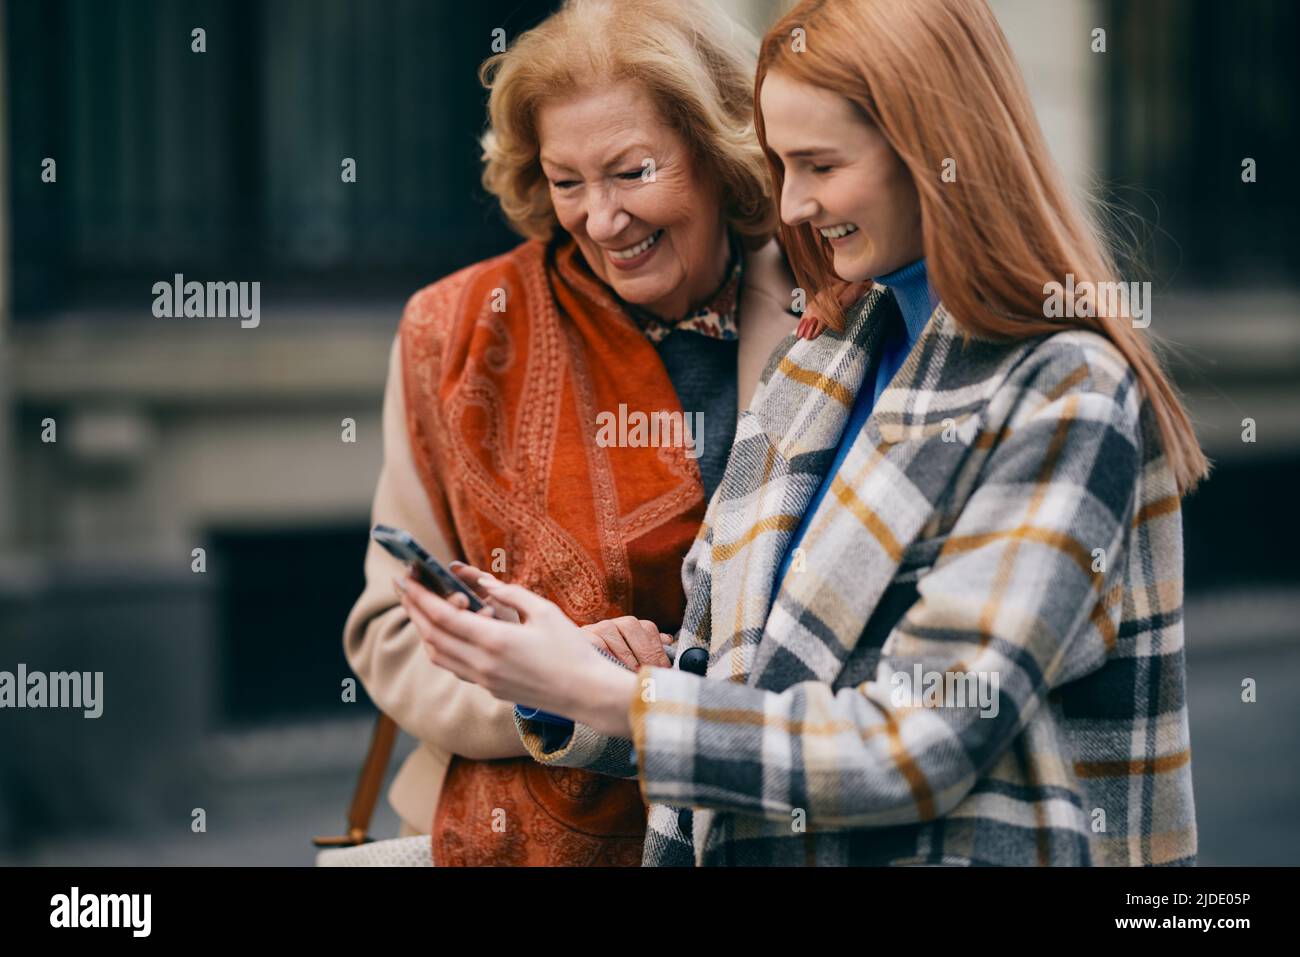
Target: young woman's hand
{"type": "Point", "coordinates": [469, 576]}
{"type": "Point", "coordinates": [633, 641]}
{"type": "Point", "coordinates": [543, 661]}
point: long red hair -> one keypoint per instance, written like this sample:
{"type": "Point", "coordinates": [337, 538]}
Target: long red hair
{"type": "Point", "coordinates": [939, 81]}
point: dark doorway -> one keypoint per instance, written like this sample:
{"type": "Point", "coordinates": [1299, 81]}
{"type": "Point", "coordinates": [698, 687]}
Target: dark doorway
{"type": "Point", "coordinates": [282, 599]}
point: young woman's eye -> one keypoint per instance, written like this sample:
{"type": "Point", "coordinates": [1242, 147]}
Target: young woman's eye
{"type": "Point", "coordinates": [821, 169]}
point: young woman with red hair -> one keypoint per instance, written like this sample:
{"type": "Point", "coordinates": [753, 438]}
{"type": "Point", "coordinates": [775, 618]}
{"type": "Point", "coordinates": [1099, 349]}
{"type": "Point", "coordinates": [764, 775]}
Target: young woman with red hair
{"type": "Point", "coordinates": [939, 589]}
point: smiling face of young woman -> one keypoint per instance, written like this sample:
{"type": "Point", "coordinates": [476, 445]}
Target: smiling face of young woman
{"type": "Point", "coordinates": [841, 176]}
{"type": "Point", "coordinates": [660, 241]}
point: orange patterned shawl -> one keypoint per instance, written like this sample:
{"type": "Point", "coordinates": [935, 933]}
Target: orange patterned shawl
{"type": "Point", "coordinates": [507, 364]}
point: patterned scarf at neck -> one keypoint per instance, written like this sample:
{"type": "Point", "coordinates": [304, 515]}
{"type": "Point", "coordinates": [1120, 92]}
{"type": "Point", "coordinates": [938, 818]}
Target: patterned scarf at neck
{"type": "Point", "coordinates": [716, 318]}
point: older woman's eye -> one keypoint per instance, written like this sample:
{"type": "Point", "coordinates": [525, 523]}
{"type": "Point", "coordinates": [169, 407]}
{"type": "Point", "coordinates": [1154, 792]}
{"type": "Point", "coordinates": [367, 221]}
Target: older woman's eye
{"type": "Point", "coordinates": [632, 174]}
{"type": "Point", "coordinates": [564, 183]}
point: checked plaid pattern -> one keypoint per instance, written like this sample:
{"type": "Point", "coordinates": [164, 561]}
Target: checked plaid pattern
{"type": "Point", "coordinates": [1006, 512]}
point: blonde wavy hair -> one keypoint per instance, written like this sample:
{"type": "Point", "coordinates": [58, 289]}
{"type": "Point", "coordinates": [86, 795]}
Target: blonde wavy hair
{"type": "Point", "coordinates": [694, 62]}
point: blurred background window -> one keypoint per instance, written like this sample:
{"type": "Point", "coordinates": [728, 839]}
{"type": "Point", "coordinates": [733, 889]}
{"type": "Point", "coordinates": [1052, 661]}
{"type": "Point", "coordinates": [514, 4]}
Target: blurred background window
{"type": "Point", "coordinates": [1193, 88]}
{"type": "Point", "coordinates": [228, 163]}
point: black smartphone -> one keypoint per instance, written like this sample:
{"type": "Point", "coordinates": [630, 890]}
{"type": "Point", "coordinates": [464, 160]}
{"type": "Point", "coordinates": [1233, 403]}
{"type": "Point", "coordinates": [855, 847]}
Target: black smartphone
{"type": "Point", "coordinates": [402, 546]}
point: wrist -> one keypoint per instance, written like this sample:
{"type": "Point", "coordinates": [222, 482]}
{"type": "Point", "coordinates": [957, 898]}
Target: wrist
{"type": "Point", "coordinates": [608, 700]}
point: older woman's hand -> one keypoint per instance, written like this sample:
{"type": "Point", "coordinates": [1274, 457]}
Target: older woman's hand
{"type": "Point", "coordinates": [811, 325]}
{"type": "Point", "coordinates": [633, 641]}
{"type": "Point", "coordinates": [544, 661]}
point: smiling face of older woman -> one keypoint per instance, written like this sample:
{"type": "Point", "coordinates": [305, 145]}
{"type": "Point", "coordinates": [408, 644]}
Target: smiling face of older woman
{"type": "Point", "coordinates": [594, 149]}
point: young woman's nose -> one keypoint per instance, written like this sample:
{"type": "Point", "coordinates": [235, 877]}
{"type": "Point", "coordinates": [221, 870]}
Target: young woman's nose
{"type": "Point", "coordinates": [796, 206]}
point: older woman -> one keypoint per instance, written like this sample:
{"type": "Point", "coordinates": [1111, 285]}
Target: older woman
{"type": "Point", "coordinates": [649, 292]}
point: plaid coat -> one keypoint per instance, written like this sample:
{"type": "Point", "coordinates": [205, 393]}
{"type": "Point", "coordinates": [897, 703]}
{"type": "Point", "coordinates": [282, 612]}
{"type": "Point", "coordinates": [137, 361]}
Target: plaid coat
{"type": "Point", "coordinates": [1005, 516]}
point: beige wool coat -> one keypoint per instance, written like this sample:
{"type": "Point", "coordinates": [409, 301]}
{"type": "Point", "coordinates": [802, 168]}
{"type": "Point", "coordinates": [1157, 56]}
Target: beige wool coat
{"type": "Point", "coordinates": [443, 713]}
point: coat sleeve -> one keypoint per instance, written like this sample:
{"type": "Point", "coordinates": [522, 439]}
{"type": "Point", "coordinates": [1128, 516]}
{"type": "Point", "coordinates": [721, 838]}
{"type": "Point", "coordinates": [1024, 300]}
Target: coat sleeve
{"type": "Point", "coordinates": [1012, 600]}
{"type": "Point", "coordinates": [380, 642]}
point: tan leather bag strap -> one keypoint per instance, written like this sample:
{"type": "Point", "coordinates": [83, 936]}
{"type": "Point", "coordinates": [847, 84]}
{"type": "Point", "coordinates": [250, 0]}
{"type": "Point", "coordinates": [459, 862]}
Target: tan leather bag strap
{"type": "Point", "coordinates": [368, 786]}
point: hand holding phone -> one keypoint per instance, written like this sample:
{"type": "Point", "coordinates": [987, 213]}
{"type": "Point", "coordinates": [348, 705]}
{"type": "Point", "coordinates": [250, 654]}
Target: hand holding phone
{"type": "Point", "coordinates": [440, 580]}
{"type": "Point", "coordinates": [433, 574]}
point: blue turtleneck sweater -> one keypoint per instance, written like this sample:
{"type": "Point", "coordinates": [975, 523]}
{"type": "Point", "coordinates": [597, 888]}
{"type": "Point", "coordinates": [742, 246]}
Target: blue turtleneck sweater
{"type": "Point", "coordinates": [916, 301]}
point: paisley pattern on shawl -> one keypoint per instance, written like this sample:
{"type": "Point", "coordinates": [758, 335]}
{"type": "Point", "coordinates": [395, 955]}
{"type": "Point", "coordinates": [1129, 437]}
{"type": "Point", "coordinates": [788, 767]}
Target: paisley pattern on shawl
{"type": "Point", "coordinates": [507, 365]}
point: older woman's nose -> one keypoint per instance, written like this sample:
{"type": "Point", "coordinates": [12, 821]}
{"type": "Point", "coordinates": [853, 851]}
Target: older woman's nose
{"type": "Point", "coordinates": [606, 217]}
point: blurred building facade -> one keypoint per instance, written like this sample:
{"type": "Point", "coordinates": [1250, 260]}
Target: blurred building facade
{"type": "Point", "coordinates": [175, 435]}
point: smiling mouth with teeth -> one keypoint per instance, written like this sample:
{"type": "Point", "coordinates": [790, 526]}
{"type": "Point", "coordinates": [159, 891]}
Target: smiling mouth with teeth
{"type": "Point", "coordinates": [633, 251]}
{"type": "Point", "coordinates": [837, 232]}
